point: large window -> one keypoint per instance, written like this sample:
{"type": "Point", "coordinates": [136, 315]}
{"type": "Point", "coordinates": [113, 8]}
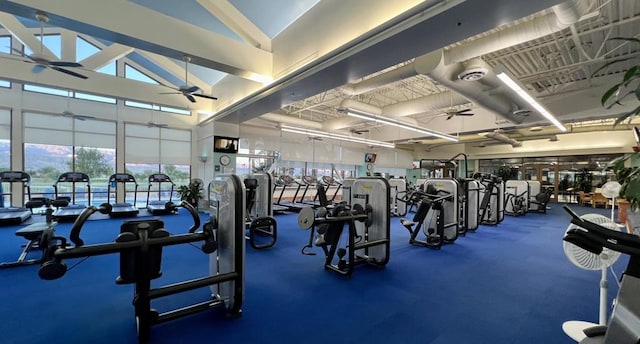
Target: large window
{"type": "Point", "coordinates": [151, 150]}
{"type": "Point", "coordinates": [54, 145]}
{"type": "Point", "coordinates": [5, 139]}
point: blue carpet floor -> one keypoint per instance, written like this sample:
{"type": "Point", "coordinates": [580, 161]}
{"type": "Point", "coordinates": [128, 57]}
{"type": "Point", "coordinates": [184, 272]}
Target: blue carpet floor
{"type": "Point", "coordinates": [509, 283]}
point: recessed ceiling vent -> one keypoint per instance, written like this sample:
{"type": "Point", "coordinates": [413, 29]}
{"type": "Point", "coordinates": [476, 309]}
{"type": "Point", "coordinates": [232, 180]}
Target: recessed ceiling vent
{"type": "Point", "coordinates": [473, 73]}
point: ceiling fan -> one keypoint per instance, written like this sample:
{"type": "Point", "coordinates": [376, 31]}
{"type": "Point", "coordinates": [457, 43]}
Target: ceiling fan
{"type": "Point", "coordinates": [186, 90]}
{"type": "Point", "coordinates": [358, 131]}
{"type": "Point", "coordinates": [41, 62]}
{"type": "Point", "coordinates": [69, 114]}
{"type": "Point", "coordinates": [152, 124]}
{"type": "Point", "coordinates": [464, 112]}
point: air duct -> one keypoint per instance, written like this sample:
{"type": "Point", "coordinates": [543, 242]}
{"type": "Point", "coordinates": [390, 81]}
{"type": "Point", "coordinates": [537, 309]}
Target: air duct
{"type": "Point", "coordinates": [380, 80]}
{"type": "Point", "coordinates": [482, 92]}
{"type": "Point", "coordinates": [498, 136]}
{"type": "Point", "coordinates": [274, 117]}
{"type": "Point", "coordinates": [563, 16]}
{"type": "Point", "coordinates": [432, 102]}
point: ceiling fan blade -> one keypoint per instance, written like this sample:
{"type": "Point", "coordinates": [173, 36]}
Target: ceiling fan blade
{"type": "Point", "coordinates": [190, 97]}
{"type": "Point", "coordinates": [177, 92]}
{"type": "Point", "coordinates": [69, 72]}
{"type": "Point", "coordinates": [450, 116]}
{"type": "Point", "coordinates": [191, 89]}
{"type": "Point", "coordinates": [65, 64]}
{"type": "Point", "coordinates": [465, 114]}
{"type": "Point", "coordinates": [83, 117]}
{"type": "Point", "coordinates": [204, 96]}
{"type": "Point", "coordinates": [460, 112]}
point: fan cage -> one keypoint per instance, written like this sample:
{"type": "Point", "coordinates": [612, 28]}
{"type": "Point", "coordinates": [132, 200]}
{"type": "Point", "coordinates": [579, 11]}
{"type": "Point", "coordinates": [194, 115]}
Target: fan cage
{"type": "Point", "coordinates": [585, 259]}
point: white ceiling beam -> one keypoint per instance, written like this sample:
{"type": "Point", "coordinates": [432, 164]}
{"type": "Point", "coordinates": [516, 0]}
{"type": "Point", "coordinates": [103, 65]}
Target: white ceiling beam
{"type": "Point", "coordinates": [105, 56]}
{"type": "Point", "coordinates": [176, 70]}
{"type": "Point", "coordinates": [237, 22]}
{"type": "Point", "coordinates": [121, 21]}
{"type": "Point", "coordinates": [68, 45]}
{"type": "Point", "coordinates": [99, 84]}
{"type": "Point", "coordinates": [25, 35]}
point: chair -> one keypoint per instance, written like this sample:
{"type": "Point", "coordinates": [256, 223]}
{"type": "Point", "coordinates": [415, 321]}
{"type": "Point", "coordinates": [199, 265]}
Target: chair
{"type": "Point", "coordinates": [584, 198]}
{"type": "Point", "coordinates": [599, 199]}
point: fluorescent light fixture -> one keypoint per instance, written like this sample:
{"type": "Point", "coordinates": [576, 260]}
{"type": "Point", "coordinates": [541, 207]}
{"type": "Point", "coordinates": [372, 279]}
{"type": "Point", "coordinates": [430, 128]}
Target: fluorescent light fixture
{"type": "Point", "coordinates": [507, 80]}
{"type": "Point", "coordinates": [399, 124]}
{"type": "Point", "coordinates": [341, 137]}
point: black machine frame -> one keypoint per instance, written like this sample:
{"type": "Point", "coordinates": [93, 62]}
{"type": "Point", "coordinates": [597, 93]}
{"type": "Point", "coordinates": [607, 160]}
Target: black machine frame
{"type": "Point", "coordinates": [140, 244]}
{"type": "Point", "coordinates": [15, 215]}
{"type": "Point", "coordinates": [72, 210]}
{"type": "Point", "coordinates": [160, 207]}
{"type": "Point", "coordinates": [122, 209]}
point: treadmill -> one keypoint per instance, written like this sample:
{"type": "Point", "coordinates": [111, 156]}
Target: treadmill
{"type": "Point", "coordinates": [159, 206]}
{"type": "Point", "coordinates": [122, 209]}
{"type": "Point", "coordinates": [303, 184]}
{"type": "Point", "coordinates": [14, 215]}
{"type": "Point", "coordinates": [283, 182]}
{"type": "Point", "coordinates": [70, 212]}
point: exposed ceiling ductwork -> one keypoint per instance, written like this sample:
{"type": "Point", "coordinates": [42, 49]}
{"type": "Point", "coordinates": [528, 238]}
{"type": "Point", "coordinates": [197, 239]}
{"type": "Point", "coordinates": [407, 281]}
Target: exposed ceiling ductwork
{"type": "Point", "coordinates": [470, 78]}
{"type": "Point", "coordinates": [498, 136]}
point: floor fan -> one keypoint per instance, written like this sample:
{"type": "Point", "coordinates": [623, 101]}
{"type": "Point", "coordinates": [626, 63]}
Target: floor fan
{"type": "Point", "coordinates": [590, 261]}
{"type": "Point", "coordinates": [611, 190]}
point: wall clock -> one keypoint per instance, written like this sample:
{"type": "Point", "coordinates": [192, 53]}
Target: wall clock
{"type": "Point", "coordinates": [225, 160]}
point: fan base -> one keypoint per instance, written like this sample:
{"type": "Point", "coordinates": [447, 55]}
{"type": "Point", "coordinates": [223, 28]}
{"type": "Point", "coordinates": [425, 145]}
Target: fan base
{"type": "Point", "coordinates": [575, 329]}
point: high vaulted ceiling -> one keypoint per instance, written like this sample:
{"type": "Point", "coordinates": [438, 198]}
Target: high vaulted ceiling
{"type": "Point", "coordinates": [304, 62]}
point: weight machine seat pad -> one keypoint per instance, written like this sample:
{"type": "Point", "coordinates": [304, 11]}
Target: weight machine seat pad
{"type": "Point", "coordinates": [421, 213]}
{"type": "Point", "coordinates": [406, 222]}
{"type": "Point", "coordinates": [595, 331]}
{"type": "Point", "coordinates": [32, 232]}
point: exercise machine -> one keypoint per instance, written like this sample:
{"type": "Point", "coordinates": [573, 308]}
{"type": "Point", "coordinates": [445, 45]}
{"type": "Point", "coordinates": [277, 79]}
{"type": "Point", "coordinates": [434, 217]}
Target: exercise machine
{"type": "Point", "coordinates": [363, 225]}
{"type": "Point", "coordinates": [160, 206]}
{"type": "Point", "coordinates": [305, 183]}
{"type": "Point", "coordinates": [262, 228]}
{"type": "Point", "coordinates": [122, 209]}
{"type": "Point", "coordinates": [445, 191]}
{"type": "Point", "coordinates": [72, 210]}
{"type": "Point", "coordinates": [15, 215]}
{"type": "Point", "coordinates": [539, 197]}
{"type": "Point", "coordinates": [491, 209]}
{"type": "Point", "coordinates": [431, 218]}
{"type": "Point", "coordinates": [398, 205]}
{"type": "Point", "coordinates": [516, 200]}
{"type": "Point", "coordinates": [140, 245]}
{"type": "Point", "coordinates": [624, 323]}
{"type": "Point", "coordinates": [33, 233]}
{"type": "Point", "coordinates": [284, 182]}
{"type": "Point", "coordinates": [468, 193]}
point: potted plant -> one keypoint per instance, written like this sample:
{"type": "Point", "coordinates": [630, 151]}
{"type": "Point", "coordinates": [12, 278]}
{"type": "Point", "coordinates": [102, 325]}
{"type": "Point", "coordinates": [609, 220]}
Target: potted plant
{"type": "Point", "coordinates": [190, 193]}
{"type": "Point", "coordinates": [627, 174]}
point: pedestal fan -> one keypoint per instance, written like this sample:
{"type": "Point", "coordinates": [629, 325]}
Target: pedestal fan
{"type": "Point", "coordinates": [591, 261]}
{"type": "Point", "coordinates": [611, 190]}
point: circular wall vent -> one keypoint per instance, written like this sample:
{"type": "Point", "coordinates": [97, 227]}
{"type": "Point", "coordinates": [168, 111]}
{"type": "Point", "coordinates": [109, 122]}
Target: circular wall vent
{"type": "Point", "coordinates": [473, 73]}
